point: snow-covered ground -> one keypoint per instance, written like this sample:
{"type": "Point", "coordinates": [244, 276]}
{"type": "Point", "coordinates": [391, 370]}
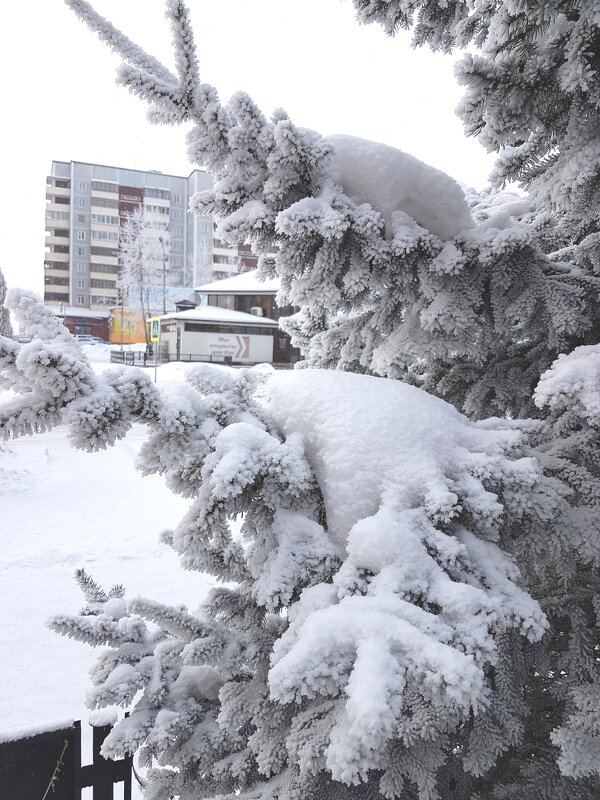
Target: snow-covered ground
{"type": "Point", "coordinates": [62, 509]}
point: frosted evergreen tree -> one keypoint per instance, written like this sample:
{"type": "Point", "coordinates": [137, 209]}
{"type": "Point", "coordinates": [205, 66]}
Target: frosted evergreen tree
{"type": "Point", "coordinates": [533, 90]}
{"type": "Point", "coordinates": [410, 612]}
{"type": "Point", "coordinates": [369, 622]}
{"type": "Point", "coordinates": [5, 324]}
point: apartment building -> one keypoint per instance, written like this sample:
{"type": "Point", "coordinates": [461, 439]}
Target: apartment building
{"type": "Point", "coordinates": [228, 261]}
{"type": "Point", "coordinates": [86, 207]}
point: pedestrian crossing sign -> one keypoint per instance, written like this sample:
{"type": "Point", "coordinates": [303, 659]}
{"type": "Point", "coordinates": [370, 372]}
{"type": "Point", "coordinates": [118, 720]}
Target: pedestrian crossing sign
{"type": "Point", "coordinates": [155, 329]}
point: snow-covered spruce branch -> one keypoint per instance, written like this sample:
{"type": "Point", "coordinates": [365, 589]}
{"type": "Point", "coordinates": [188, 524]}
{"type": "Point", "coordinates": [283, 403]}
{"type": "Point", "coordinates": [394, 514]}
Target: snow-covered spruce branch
{"type": "Point", "coordinates": [5, 322]}
{"type": "Point", "coordinates": [47, 374]}
{"type": "Point", "coordinates": [399, 599]}
{"type": "Point", "coordinates": [55, 383]}
{"type": "Point", "coordinates": [455, 23]}
{"type": "Point", "coordinates": [392, 272]}
{"type": "Point", "coordinates": [569, 393]}
{"type": "Point", "coordinates": [532, 90]}
{"type": "Point", "coordinates": [372, 605]}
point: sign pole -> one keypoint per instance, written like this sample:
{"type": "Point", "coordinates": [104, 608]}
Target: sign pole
{"type": "Point", "coordinates": [155, 338]}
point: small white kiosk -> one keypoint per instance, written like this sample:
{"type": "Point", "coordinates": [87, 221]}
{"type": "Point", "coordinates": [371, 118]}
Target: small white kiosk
{"type": "Point", "coordinates": [208, 333]}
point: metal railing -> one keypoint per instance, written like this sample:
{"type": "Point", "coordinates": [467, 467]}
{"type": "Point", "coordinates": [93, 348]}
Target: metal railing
{"type": "Point", "coordinates": [137, 358]}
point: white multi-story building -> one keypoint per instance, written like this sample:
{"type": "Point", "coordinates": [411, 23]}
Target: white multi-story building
{"type": "Point", "coordinates": [86, 206]}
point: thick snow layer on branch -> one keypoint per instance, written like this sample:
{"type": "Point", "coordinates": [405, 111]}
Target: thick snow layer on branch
{"type": "Point", "coordinates": [402, 440]}
{"type": "Point", "coordinates": [390, 180]}
{"type": "Point", "coordinates": [572, 381]}
{"type": "Point", "coordinates": [416, 496]}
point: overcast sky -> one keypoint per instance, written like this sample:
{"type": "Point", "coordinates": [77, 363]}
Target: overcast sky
{"type": "Point", "coordinates": [310, 57]}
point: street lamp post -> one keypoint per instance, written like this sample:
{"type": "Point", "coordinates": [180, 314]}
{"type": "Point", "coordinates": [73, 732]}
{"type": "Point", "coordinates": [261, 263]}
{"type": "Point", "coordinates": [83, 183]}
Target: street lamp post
{"type": "Point", "coordinates": [162, 244]}
{"type": "Point", "coordinates": [122, 315]}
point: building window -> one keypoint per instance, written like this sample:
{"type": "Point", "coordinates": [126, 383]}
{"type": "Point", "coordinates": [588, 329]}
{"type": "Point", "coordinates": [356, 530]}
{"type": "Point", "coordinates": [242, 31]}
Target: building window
{"type": "Point", "coordinates": [106, 235]}
{"type": "Point", "coordinates": [99, 284]}
{"type": "Point", "coordinates": [50, 279]}
{"type": "Point", "coordinates": [103, 186]}
{"type": "Point", "coordinates": [105, 219]}
{"type": "Point", "coordinates": [80, 251]}
{"type": "Point", "coordinates": [80, 217]}
{"type": "Point", "coordinates": [80, 267]}
{"type": "Point", "coordinates": [105, 202]}
{"type": "Point", "coordinates": [82, 186]}
{"type": "Point", "coordinates": [113, 269]}
{"type": "Point", "coordinates": [177, 198]}
{"type": "Point", "coordinates": [161, 194]}
{"type": "Point", "coordinates": [81, 237]}
{"type": "Point", "coordinates": [80, 300]}
{"type": "Point", "coordinates": [105, 251]}
{"type": "Point", "coordinates": [82, 202]}
{"type": "Point", "coordinates": [152, 209]}
{"type": "Point", "coordinates": [80, 283]}
{"type": "Point", "coordinates": [256, 330]}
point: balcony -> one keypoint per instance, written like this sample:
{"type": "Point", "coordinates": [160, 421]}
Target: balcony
{"type": "Point", "coordinates": [53, 240]}
{"type": "Point", "coordinates": [56, 256]}
{"type": "Point", "coordinates": [52, 267]}
{"type": "Point", "coordinates": [56, 191]}
{"type": "Point", "coordinates": [109, 260]}
{"type": "Point", "coordinates": [105, 193]}
{"type": "Point", "coordinates": [57, 203]}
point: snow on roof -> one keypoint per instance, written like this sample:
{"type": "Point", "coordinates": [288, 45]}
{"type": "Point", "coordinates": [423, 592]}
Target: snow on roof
{"type": "Point", "coordinates": [214, 314]}
{"type": "Point", "coordinates": [244, 283]}
{"type": "Point", "coordinates": [73, 311]}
